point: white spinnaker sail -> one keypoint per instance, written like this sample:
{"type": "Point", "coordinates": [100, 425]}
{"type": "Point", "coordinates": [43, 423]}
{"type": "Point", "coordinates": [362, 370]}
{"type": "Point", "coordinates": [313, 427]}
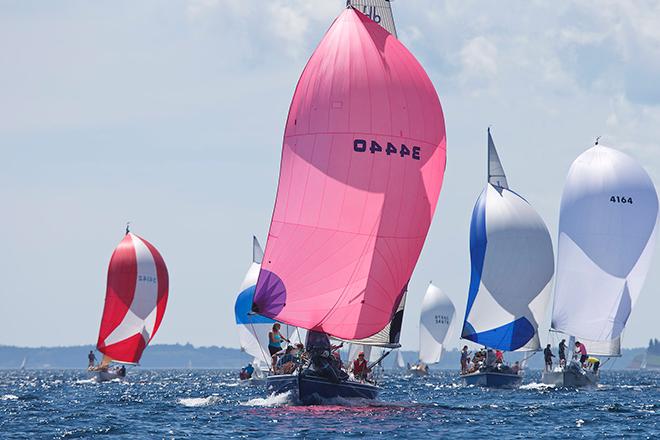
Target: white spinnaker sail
{"type": "Point", "coordinates": [379, 11]}
{"type": "Point", "coordinates": [512, 265]}
{"type": "Point", "coordinates": [435, 321]}
{"type": "Point", "coordinates": [607, 228]}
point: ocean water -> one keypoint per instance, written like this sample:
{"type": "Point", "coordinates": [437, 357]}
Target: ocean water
{"type": "Point", "coordinates": [194, 404]}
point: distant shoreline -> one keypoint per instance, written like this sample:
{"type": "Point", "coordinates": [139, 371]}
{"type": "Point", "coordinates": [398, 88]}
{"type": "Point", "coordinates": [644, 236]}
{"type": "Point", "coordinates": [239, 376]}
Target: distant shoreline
{"type": "Point", "coordinates": [187, 356]}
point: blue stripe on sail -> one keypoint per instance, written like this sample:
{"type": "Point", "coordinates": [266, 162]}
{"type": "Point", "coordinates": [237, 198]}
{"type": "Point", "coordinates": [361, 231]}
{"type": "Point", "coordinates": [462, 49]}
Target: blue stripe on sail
{"type": "Point", "coordinates": [244, 306]}
{"type": "Point", "coordinates": [508, 337]}
{"type": "Point", "coordinates": [477, 250]}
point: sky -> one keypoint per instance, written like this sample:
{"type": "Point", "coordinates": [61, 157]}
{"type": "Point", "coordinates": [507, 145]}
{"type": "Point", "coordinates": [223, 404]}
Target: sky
{"type": "Point", "coordinates": [171, 114]}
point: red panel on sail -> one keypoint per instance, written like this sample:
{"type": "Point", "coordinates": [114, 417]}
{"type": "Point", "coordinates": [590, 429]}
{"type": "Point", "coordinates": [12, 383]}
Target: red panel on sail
{"type": "Point", "coordinates": [135, 299]}
{"type": "Point", "coordinates": [362, 166]}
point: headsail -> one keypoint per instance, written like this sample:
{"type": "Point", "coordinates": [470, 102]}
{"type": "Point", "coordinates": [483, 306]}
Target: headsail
{"type": "Point", "coordinates": [362, 167]}
{"type": "Point", "coordinates": [252, 329]}
{"type": "Point", "coordinates": [135, 300]}
{"type": "Point", "coordinates": [390, 335]}
{"type": "Point", "coordinates": [512, 265]}
{"type": "Point", "coordinates": [434, 323]}
{"type": "Point", "coordinates": [607, 228]}
{"type": "Point", "coordinates": [379, 11]}
{"type": "Point", "coordinates": [496, 176]}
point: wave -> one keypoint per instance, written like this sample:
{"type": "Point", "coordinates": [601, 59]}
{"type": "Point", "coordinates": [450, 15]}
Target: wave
{"type": "Point", "coordinates": [272, 400]}
{"type": "Point", "coordinates": [193, 402]}
{"type": "Point", "coordinates": [535, 386]}
{"type": "Point", "coordinates": [8, 397]}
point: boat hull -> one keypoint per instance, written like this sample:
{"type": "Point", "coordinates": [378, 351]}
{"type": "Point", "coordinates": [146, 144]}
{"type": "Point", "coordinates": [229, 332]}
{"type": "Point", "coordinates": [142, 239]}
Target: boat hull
{"type": "Point", "coordinates": [570, 378]}
{"type": "Point", "coordinates": [492, 380]}
{"type": "Point", "coordinates": [314, 390]}
{"type": "Point", "coordinates": [106, 376]}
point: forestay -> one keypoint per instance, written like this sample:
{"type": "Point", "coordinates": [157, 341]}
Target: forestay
{"type": "Point", "coordinates": [607, 228]}
{"type": "Point", "coordinates": [135, 300]}
{"type": "Point", "coordinates": [512, 265]}
{"type": "Point", "coordinates": [362, 167]}
{"type": "Point", "coordinates": [435, 321]}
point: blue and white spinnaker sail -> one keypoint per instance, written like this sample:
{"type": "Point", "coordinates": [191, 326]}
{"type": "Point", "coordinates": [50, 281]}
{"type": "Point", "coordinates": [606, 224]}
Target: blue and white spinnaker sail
{"type": "Point", "coordinates": [252, 328]}
{"type": "Point", "coordinates": [512, 266]}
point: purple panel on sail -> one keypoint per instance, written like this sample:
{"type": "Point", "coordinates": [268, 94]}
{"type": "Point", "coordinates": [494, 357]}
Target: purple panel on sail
{"type": "Point", "coordinates": [270, 296]}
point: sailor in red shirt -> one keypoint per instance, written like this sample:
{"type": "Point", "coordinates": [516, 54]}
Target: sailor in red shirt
{"type": "Point", "coordinates": [360, 367]}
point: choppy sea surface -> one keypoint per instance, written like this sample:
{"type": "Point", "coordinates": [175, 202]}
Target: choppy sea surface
{"type": "Point", "coordinates": [181, 404]}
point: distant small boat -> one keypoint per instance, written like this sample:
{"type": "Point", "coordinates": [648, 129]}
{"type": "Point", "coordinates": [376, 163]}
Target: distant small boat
{"type": "Point", "coordinates": [135, 302]}
{"type": "Point", "coordinates": [435, 321]}
{"type": "Point", "coordinates": [23, 364]}
{"type": "Point", "coordinates": [607, 229]}
{"type": "Point", "coordinates": [512, 265]}
{"type": "Point", "coordinates": [253, 329]}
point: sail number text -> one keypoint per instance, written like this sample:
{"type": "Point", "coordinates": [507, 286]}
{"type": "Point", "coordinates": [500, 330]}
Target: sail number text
{"type": "Point", "coordinates": [361, 146]}
{"type": "Point", "coordinates": [621, 199]}
{"type": "Point", "coordinates": [441, 319]}
{"type": "Point", "coordinates": [148, 278]}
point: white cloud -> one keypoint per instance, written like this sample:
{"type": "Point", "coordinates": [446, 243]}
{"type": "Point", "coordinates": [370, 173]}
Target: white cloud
{"type": "Point", "coordinates": [479, 57]}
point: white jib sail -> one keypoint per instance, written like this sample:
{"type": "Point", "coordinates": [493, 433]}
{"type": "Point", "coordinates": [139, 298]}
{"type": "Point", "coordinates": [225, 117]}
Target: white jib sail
{"type": "Point", "coordinates": [435, 321]}
{"type": "Point", "coordinates": [607, 228]}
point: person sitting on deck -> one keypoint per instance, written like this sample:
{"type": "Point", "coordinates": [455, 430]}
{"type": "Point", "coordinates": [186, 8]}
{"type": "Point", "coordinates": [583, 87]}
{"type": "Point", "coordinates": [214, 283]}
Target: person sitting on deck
{"type": "Point", "coordinates": [582, 351]}
{"type": "Point", "coordinates": [465, 358]}
{"type": "Point", "coordinates": [246, 372]}
{"type": "Point", "coordinates": [562, 353]}
{"type": "Point", "coordinates": [490, 358]}
{"type": "Point", "coordinates": [499, 357]}
{"type": "Point", "coordinates": [360, 367]}
{"type": "Point", "coordinates": [515, 368]}
{"type": "Point", "coordinates": [547, 355]}
{"type": "Point", "coordinates": [91, 358]}
{"type": "Point", "coordinates": [122, 371]}
{"type": "Point", "coordinates": [287, 363]}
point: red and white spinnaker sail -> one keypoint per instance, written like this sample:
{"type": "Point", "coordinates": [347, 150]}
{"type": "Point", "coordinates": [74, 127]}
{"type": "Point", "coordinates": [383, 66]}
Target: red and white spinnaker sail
{"type": "Point", "coordinates": [135, 300]}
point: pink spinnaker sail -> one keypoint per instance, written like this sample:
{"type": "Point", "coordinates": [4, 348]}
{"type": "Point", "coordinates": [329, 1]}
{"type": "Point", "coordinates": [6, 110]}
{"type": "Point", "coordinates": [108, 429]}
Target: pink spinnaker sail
{"type": "Point", "coordinates": [362, 166]}
{"type": "Point", "coordinates": [135, 300]}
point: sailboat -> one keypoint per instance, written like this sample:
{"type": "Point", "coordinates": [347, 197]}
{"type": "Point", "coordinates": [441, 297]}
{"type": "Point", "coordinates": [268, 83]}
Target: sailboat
{"type": "Point", "coordinates": [362, 166]}
{"type": "Point", "coordinates": [435, 321]}
{"type": "Point", "coordinates": [253, 329]}
{"type": "Point", "coordinates": [23, 364]}
{"type": "Point", "coordinates": [512, 265]}
{"type": "Point", "coordinates": [607, 228]}
{"type": "Point", "coordinates": [135, 301]}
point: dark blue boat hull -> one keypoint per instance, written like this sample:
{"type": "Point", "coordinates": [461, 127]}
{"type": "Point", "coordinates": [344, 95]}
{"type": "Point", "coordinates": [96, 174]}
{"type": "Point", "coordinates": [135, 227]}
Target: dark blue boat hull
{"type": "Point", "coordinates": [492, 379]}
{"type": "Point", "coordinates": [314, 390]}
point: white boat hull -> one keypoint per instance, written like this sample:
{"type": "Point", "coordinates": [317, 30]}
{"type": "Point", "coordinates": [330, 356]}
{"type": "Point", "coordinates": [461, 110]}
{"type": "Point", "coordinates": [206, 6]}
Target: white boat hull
{"type": "Point", "coordinates": [570, 378]}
